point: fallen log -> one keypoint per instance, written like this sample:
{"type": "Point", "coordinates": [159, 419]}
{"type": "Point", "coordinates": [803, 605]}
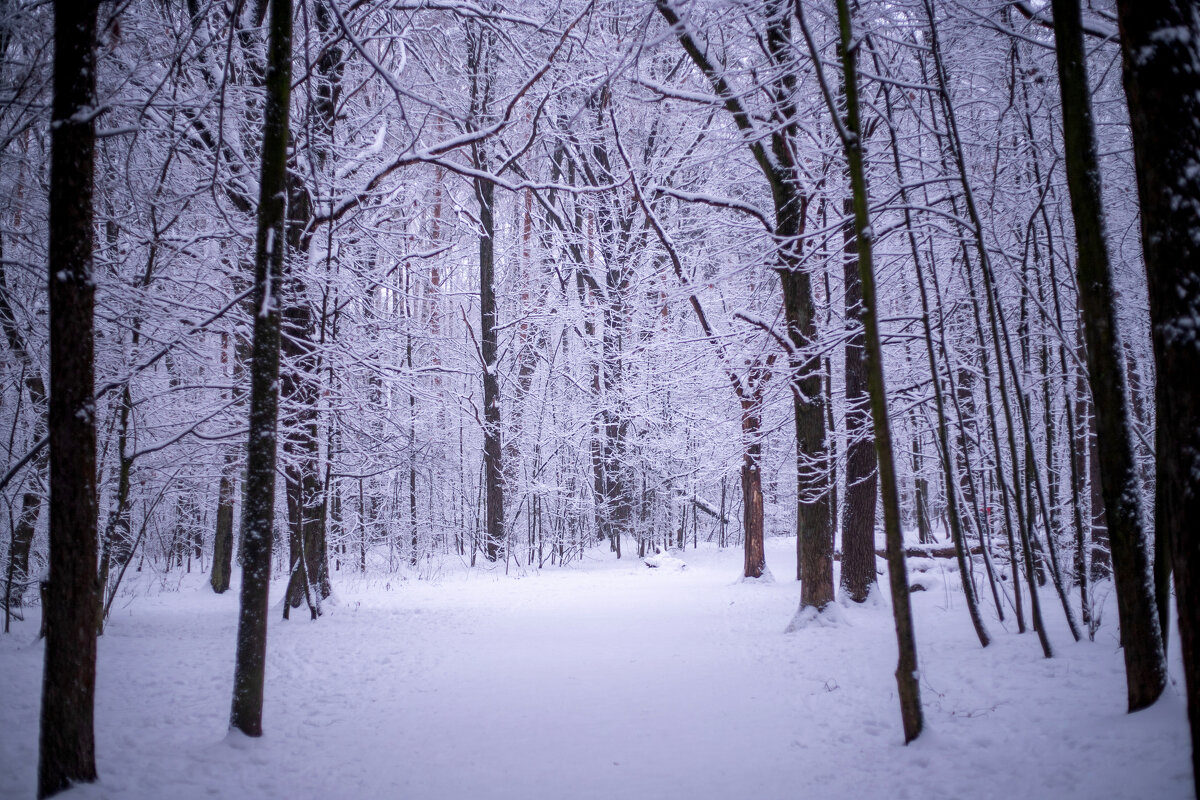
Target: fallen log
{"type": "Point", "coordinates": [923, 551]}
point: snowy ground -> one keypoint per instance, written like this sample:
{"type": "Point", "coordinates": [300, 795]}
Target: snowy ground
{"type": "Point", "coordinates": [603, 680]}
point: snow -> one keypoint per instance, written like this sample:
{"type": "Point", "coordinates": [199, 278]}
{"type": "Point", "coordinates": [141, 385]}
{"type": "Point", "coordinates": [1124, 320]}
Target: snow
{"type": "Point", "coordinates": [664, 560]}
{"type": "Point", "coordinates": [603, 679]}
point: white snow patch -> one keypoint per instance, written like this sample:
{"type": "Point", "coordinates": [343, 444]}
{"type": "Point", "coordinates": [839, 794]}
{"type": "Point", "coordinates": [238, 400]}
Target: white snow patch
{"type": "Point", "coordinates": [664, 560]}
{"type": "Point", "coordinates": [599, 680]}
{"type": "Point", "coordinates": [808, 616]}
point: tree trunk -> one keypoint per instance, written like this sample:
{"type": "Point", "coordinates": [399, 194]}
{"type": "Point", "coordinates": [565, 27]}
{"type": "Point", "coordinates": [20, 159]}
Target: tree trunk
{"type": "Point", "coordinates": [259, 505]}
{"type": "Point", "coordinates": [17, 580]}
{"type": "Point", "coordinates": [116, 543]}
{"type": "Point", "coordinates": [300, 390]}
{"type": "Point", "coordinates": [814, 526]}
{"type": "Point", "coordinates": [858, 520]}
{"type": "Point", "coordinates": [301, 385]}
{"type": "Point", "coordinates": [480, 61]}
{"type": "Point", "coordinates": [814, 530]}
{"type": "Point", "coordinates": [67, 744]}
{"type": "Point", "coordinates": [921, 486]}
{"type": "Point", "coordinates": [1145, 663]}
{"type": "Point", "coordinates": [306, 512]}
{"type": "Point", "coordinates": [222, 564]}
{"type": "Point", "coordinates": [492, 452]}
{"type": "Point", "coordinates": [1098, 546]}
{"type": "Point", "coordinates": [752, 497]}
{"type": "Point", "coordinates": [907, 676]}
{"type": "Point", "coordinates": [1160, 40]}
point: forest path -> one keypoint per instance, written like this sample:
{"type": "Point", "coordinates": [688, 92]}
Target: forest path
{"type": "Point", "coordinates": [604, 679]}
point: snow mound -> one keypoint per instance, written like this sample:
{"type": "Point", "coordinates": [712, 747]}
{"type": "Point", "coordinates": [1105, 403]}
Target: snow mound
{"type": "Point", "coordinates": [874, 599]}
{"type": "Point", "coordinates": [924, 575]}
{"type": "Point", "coordinates": [664, 561]}
{"type": "Point", "coordinates": [766, 577]}
{"type": "Point", "coordinates": [810, 616]}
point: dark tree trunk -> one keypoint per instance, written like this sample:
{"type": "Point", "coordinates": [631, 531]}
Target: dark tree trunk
{"type": "Point", "coordinates": [492, 451]}
{"type": "Point", "coordinates": [752, 496]}
{"type": "Point", "coordinates": [299, 390]}
{"type": "Point", "coordinates": [814, 526]}
{"type": "Point", "coordinates": [480, 61]}
{"type": "Point", "coordinates": [300, 387]}
{"type": "Point", "coordinates": [17, 578]}
{"type": "Point", "coordinates": [258, 511]}
{"type": "Point", "coordinates": [1160, 40]}
{"type": "Point", "coordinates": [858, 520]}
{"type": "Point", "coordinates": [814, 529]}
{"type": "Point", "coordinates": [116, 543]}
{"type": "Point", "coordinates": [309, 580]}
{"type": "Point", "coordinates": [67, 745]}
{"type": "Point", "coordinates": [921, 488]}
{"type": "Point", "coordinates": [222, 564]}
{"type": "Point", "coordinates": [907, 676]}
{"type": "Point", "coordinates": [1101, 553]}
{"type": "Point", "coordinates": [1145, 664]}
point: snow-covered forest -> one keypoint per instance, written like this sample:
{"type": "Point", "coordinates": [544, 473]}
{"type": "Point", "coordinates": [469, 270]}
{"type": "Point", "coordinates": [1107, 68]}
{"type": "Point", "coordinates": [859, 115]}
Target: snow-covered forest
{"type": "Point", "coordinates": [652, 398]}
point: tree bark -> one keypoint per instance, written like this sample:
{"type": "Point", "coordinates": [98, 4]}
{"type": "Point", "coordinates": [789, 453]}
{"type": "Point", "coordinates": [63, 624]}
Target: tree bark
{"type": "Point", "coordinates": [858, 514]}
{"type": "Point", "coordinates": [814, 526]}
{"type": "Point", "coordinates": [67, 745]}
{"type": "Point", "coordinates": [1160, 40]}
{"type": "Point", "coordinates": [479, 65]}
{"type": "Point", "coordinates": [1145, 663]}
{"type": "Point", "coordinates": [222, 563]}
{"type": "Point", "coordinates": [258, 511]}
{"type": "Point", "coordinates": [907, 676]}
{"type": "Point", "coordinates": [752, 497]}
{"type": "Point", "coordinates": [492, 451]}
{"type": "Point", "coordinates": [116, 540]}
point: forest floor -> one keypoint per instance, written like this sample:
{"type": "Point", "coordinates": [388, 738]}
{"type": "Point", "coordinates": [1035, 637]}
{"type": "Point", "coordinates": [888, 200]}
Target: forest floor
{"type": "Point", "coordinates": [603, 679]}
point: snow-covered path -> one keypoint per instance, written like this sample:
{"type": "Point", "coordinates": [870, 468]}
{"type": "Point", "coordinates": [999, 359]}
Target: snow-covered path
{"type": "Point", "coordinates": [607, 680]}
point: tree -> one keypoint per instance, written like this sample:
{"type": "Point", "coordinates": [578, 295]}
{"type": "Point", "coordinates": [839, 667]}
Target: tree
{"type": "Point", "coordinates": [776, 155]}
{"type": "Point", "coordinates": [67, 751]}
{"type": "Point", "coordinates": [17, 577]}
{"type": "Point", "coordinates": [481, 58]}
{"type": "Point", "coordinates": [954, 519]}
{"type": "Point", "coordinates": [258, 513]}
{"type": "Point", "coordinates": [300, 384]}
{"type": "Point", "coordinates": [858, 512]}
{"type": "Point", "coordinates": [1160, 44]}
{"type": "Point", "coordinates": [851, 134]}
{"type": "Point", "coordinates": [1145, 663]}
{"type": "Point", "coordinates": [1001, 344]}
{"type": "Point", "coordinates": [748, 388]}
